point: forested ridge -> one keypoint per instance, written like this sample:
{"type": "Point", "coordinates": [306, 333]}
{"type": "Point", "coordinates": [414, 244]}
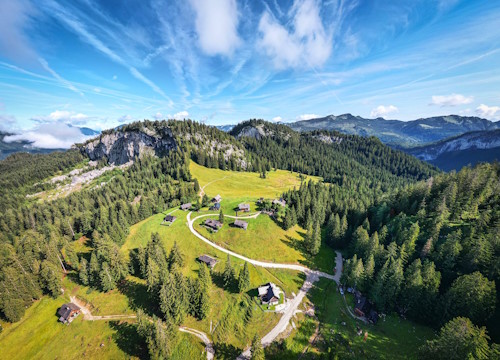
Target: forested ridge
{"type": "Point", "coordinates": [32, 235]}
{"type": "Point", "coordinates": [430, 251]}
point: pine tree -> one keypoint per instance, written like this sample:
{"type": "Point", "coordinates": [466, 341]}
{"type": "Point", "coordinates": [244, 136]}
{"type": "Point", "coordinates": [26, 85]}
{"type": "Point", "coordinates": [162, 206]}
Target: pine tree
{"type": "Point", "coordinates": [287, 221]}
{"type": "Point", "coordinates": [51, 278]}
{"type": "Point", "coordinates": [84, 272]}
{"type": "Point", "coordinates": [175, 257]}
{"type": "Point", "coordinates": [244, 278]}
{"type": "Point", "coordinates": [257, 349]}
{"type": "Point", "coordinates": [316, 239]}
{"type": "Point", "coordinates": [459, 339]}
{"type": "Point", "coordinates": [107, 281]}
{"type": "Point", "coordinates": [221, 216]}
{"type": "Point", "coordinates": [93, 269]}
{"type": "Point", "coordinates": [228, 274]}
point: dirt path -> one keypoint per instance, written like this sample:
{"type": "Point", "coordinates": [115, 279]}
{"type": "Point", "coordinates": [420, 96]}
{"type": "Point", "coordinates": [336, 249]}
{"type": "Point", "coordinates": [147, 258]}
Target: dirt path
{"type": "Point", "coordinates": [87, 315]}
{"type": "Point", "coordinates": [312, 340]}
{"type": "Point", "coordinates": [202, 189]}
{"type": "Point", "coordinates": [311, 277]}
{"type": "Point", "coordinates": [209, 347]}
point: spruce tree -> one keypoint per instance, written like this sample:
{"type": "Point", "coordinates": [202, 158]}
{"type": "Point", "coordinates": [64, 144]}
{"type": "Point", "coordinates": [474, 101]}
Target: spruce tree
{"type": "Point", "coordinates": [244, 278]}
{"type": "Point", "coordinates": [83, 274]}
{"type": "Point", "coordinates": [221, 216]}
{"type": "Point", "coordinates": [228, 273]}
{"type": "Point", "coordinates": [257, 349]}
{"type": "Point", "coordinates": [107, 281]}
{"type": "Point", "coordinates": [175, 257]}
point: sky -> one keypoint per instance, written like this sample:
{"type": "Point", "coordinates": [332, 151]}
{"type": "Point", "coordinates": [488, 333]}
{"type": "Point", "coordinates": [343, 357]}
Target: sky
{"type": "Point", "coordinates": [99, 64]}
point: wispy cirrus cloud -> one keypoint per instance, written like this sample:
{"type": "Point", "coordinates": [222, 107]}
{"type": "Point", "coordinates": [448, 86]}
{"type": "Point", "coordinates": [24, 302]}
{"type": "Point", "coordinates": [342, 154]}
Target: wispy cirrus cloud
{"type": "Point", "coordinates": [15, 19]}
{"type": "Point", "coordinates": [58, 77]}
{"type": "Point", "coordinates": [73, 24]}
{"type": "Point", "coordinates": [451, 100]}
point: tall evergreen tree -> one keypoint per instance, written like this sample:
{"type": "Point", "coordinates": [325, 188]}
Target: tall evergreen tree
{"type": "Point", "coordinates": [83, 274]}
{"type": "Point", "coordinates": [244, 278]}
{"type": "Point", "coordinates": [228, 273]}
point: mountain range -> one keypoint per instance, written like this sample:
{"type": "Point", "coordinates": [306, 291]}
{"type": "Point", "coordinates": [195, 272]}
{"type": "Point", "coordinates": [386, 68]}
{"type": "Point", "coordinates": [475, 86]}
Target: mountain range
{"type": "Point", "coordinates": [396, 132]}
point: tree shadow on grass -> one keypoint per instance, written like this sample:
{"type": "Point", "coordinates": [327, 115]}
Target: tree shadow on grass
{"type": "Point", "coordinates": [128, 340]}
{"type": "Point", "coordinates": [226, 351]}
{"type": "Point", "coordinates": [218, 280]}
{"type": "Point", "coordinates": [138, 296]}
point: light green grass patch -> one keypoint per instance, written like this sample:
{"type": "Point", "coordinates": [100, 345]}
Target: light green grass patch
{"type": "Point", "coordinates": [245, 185]}
{"type": "Point", "coordinates": [267, 241]}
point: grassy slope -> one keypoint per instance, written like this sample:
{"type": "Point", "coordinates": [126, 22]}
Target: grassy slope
{"type": "Point", "coordinates": [234, 185]}
{"type": "Point", "coordinates": [222, 301]}
{"type": "Point", "coordinates": [39, 335]}
{"type": "Point", "coordinates": [265, 240]}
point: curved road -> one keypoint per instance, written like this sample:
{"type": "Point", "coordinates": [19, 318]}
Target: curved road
{"type": "Point", "coordinates": [311, 277]}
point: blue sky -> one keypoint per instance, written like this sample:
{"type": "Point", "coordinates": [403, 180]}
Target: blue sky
{"type": "Point", "coordinates": [102, 63]}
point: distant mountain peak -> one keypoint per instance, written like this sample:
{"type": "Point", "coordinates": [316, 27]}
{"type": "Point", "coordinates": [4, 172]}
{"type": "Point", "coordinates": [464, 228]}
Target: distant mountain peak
{"type": "Point", "coordinates": [396, 132]}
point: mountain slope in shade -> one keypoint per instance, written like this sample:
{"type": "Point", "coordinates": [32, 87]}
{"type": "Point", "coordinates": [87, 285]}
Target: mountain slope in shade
{"type": "Point", "coordinates": [396, 132]}
{"type": "Point", "coordinates": [457, 152]}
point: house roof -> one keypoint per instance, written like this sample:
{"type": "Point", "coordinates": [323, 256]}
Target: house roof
{"type": "Point", "coordinates": [268, 291]}
{"type": "Point", "coordinates": [216, 206]}
{"type": "Point", "coordinates": [360, 302]}
{"type": "Point", "coordinates": [240, 223]}
{"type": "Point", "coordinates": [244, 206]}
{"type": "Point", "coordinates": [170, 218]}
{"type": "Point", "coordinates": [66, 309]}
{"type": "Point", "coordinates": [210, 261]}
{"type": "Point", "coordinates": [217, 198]}
{"type": "Point", "coordinates": [186, 206]}
{"type": "Point", "coordinates": [281, 202]}
{"type": "Point", "coordinates": [213, 223]}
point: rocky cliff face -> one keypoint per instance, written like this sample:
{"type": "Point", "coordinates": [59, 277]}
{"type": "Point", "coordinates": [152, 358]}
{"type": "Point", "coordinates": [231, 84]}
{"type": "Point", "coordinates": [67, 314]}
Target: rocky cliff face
{"type": "Point", "coordinates": [120, 147]}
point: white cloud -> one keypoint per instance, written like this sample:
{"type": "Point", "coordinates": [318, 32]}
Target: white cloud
{"type": "Point", "coordinates": [158, 116]}
{"type": "Point", "coordinates": [488, 112]}
{"type": "Point", "coordinates": [125, 119]}
{"type": "Point", "coordinates": [277, 118]}
{"type": "Point", "coordinates": [217, 26]}
{"type": "Point", "coordinates": [62, 116]}
{"type": "Point", "coordinates": [308, 44]}
{"type": "Point", "coordinates": [50, 136]}
{"type": "Point", "coordinates": [451, 100]}
{"type": "Point", "coordinates": [181, 115]}
{"type": "Point", "coordinates": [307, 117]}
{"type": "Point", "coordinates": [383, 111]}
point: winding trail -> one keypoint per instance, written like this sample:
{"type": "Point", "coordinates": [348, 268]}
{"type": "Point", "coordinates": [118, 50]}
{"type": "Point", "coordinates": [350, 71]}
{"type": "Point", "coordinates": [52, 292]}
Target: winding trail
{"type": "Point", "coordinates": [87, 315]}
{"type": "Point", "coordinates": [209, 347]}
{"type": "Point", "coordinates": [202, 189]}
{"type": "Point", "coordinates": [311, 277]}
